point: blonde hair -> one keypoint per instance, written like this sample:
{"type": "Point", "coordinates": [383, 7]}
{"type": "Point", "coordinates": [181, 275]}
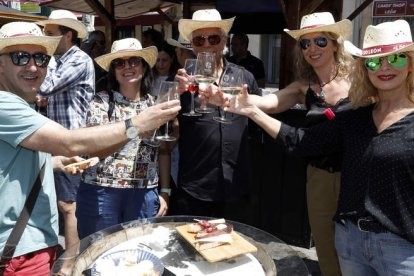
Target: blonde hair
{"type": "Point", "coordinates": [304, 71]}
{"type": "Point", "coordinates": [363, 93]}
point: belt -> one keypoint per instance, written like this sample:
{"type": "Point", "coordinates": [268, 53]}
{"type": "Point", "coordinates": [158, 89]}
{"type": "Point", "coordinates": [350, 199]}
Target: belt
{"type": "Point", "coordinates": [368, 224]}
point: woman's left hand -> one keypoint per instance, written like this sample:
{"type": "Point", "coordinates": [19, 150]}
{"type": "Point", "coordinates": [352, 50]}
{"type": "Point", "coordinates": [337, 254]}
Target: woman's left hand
{"type": "Point", "coordinates": [164, 202]}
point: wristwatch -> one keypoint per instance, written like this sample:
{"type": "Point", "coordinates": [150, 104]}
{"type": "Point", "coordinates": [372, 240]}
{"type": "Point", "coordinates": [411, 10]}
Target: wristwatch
{"type": "Point", "coordinates": [131, 132]}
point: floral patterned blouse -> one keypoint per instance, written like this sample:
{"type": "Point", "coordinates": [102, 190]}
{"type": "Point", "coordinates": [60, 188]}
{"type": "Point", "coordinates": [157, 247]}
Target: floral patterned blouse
{"type": "Point", "coordinates": [135, 165]}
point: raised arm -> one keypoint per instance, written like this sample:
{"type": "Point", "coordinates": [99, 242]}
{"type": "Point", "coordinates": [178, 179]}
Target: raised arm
{"type": "Point", "coordinates": [99, 140]}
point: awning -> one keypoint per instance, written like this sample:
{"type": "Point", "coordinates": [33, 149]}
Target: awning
{"type": "Point", "coordinates": [124, 9]}
{"type": "Point", "coordinates": [8, 15]}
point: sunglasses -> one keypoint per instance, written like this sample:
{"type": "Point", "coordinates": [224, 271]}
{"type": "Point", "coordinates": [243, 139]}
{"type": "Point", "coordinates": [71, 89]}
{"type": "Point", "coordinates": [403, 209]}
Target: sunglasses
{"type": "Point", "coordinates": [320, 41]}
{"type": "Point", "coordinates": [199, 41]}
{"type": "Point", "coordinates": [119, 63]}
{"type": "Point", "coordinates": [21, 58]}
{"type": "Point", "coordinates": [396, 60]}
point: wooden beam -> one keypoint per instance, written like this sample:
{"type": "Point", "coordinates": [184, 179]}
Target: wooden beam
{"type": "Point", "coordinates": [282, 4]}
{"type": "Point", "coordinates": [310, 7]}
{"type": "Point", "coordinates": [361, 7]}
{"type": "Point", "coordinates": [102, 12]}
{"type": "Point", "coordinates": [164, 15]}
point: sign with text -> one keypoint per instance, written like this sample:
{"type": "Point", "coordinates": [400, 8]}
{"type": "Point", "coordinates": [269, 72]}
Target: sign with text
{"type": "Point", "coordinates": [393, 8]}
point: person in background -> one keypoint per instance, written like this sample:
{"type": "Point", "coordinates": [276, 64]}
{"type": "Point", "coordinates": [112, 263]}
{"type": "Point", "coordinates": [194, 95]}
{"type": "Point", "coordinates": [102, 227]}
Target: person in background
{"type": "Point", "coordinates": [374, 221]}
{"type": "Point", "coordinates": [214, 173]}
{"type": "Point", "coordinates": [322, 85]}
{"type": "Point", "coordinates": [183, 51]}
{"type": "Point", "coordinates": [241, 56]}
{"type": "Point", "coordinates": [95, 45]}
{"type": "Point", "coordinates": [124, 185]}
{"type": "Point", "coordinates": [69, 87]}
{"type": "Point", "coordinates": [165, 68]}
{"type": "Point", "coordinates": [31, 143]}
{"type": "Point", "coordinates": [152, 37]}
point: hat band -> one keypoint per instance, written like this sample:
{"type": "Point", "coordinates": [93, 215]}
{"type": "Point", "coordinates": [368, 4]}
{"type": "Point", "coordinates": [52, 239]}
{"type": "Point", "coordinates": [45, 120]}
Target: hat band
{"type": "Point", "coordinates": [381, 49]}
{"type": "Point", "coordinates": [313, 26]}
{"type": "Point", "coordinates": [24, 34]}
{"type": "Point", "coordinates": [126, 50]}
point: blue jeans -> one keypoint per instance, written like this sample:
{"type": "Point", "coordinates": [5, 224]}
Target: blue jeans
{"type": "Point", "coordinates": [367, 253]}
{"type": "Point", "coordinates": [101, 207]}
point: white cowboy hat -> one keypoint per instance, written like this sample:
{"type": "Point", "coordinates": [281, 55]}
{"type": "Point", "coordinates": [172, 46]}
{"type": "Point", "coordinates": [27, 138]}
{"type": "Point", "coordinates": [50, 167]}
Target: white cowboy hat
{"type": "Point", "coordinates": [18, 33]}
{"type": "Point", "coordinates": [67, 19]}
{"type": "Point", "coordinates": [321, 22]}
{"type": "Point", "coordinates": [180, 43]}
{"type": "Point", "coordinates": [384, 39]}
{"type": "Point", "coordinates": [201, 19]}
{"type": "Point", "coordinates": [128, 47]}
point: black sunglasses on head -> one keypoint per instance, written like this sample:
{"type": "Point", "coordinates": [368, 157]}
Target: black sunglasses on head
{"type": "Point", "coordinates": [119, 63]}
{"type": "Point", "coordinates": [22, 58]}
{"type": "Point", "coordinates": [199, 40]}
{"type": "Point", "coordinates": [319, 41]}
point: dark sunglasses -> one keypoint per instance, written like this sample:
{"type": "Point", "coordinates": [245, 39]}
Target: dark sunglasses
{"type": "Point", "coordinates": [396, 60]}
{"type": "Point", "coordinates": [199, 41]}
{"type": "Point", "coordinates": [119, 63]}
{"type": "Point", "coordinates": [20, 58]}
{"type": "Point", "coordinates": [320, 41]}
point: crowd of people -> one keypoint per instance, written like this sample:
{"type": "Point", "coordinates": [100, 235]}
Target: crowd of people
{"type": "Point", "coordinates": [359, 108]}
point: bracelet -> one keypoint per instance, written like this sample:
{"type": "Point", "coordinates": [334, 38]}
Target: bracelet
{"type": "Point", "coordinates": [166, 190]}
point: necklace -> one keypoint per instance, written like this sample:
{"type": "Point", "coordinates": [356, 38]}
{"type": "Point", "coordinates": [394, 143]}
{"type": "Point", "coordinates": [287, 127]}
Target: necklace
{"type": "Point", "coordinates": [322, 93]}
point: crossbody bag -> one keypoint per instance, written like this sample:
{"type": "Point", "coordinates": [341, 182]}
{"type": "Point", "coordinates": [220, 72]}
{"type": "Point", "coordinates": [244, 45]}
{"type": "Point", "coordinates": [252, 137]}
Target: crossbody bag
{"type": "Point", "coordinates": [21, 223]}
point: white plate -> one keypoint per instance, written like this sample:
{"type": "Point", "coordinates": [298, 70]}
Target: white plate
{"type": "Point", "coordinates": [111, 264]}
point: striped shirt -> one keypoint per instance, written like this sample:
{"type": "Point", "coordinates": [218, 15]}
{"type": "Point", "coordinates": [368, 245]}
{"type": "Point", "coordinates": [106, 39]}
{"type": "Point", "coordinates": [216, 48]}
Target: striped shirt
{"type": "Point", "coordinates": [69, 86]}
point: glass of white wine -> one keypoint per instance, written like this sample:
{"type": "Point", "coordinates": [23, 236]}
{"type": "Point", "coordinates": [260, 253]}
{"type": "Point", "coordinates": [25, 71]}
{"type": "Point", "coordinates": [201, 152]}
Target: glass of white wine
{"type": "Point", "coordinates": [192, 86]}
{"type": "Point", "coordinates": [230, 84]}
{"type": "Point", "coordinates": [205, 75]}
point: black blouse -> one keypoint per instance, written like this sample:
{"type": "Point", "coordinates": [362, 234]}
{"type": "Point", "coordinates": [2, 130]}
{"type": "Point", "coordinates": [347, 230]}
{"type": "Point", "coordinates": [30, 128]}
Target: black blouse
{"type": "Point", "coordinates": [378, 168]}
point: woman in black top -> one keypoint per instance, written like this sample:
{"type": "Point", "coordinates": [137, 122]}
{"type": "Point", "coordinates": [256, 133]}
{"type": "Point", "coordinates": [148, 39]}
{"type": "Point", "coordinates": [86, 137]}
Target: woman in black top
{"type": "Point", "coordinates": [375, 217]}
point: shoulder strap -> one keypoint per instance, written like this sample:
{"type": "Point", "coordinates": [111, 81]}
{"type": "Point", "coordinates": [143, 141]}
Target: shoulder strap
{"type": "Point", "coordinates": [20, 225]}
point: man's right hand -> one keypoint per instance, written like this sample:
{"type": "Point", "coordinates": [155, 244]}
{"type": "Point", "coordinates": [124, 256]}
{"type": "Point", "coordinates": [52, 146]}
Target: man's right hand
{"type": "Point", "coordinates": [156, 115]}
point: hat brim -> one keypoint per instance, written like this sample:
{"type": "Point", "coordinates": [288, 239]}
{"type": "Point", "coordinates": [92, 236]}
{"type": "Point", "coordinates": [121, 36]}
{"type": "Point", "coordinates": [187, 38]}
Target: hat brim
{"type": "Point", "coordinates": [175, 43]}
{"type": "Point", "coordinates": [187, 26]}
{"type": "Point", "coordinates": [355, 51]}
{"type": "Point", "coordinates": [149, 54]}
{"type": "Point", "coordinates": [67, 22]}
{"type": "Point", "coordinates": [342, 28]}
{"type": "Point", "coordinates": [50, 43]}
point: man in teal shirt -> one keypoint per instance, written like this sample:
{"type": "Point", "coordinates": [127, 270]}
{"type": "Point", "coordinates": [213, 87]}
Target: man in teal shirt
{"type": "Point", "coordinates": [28, 140]}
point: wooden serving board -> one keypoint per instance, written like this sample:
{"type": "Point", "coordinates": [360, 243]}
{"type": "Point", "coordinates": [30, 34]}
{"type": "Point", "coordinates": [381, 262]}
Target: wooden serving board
{"type": "Point", "coordinates": [238, 247]}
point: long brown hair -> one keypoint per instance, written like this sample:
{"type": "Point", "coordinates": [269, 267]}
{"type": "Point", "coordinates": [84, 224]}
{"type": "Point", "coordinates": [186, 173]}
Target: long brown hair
{"type": "Point", "coordinates": [304, 71]}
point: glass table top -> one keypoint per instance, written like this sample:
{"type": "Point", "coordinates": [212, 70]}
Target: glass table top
{"type": "Point", "coordinates": [158, 236]}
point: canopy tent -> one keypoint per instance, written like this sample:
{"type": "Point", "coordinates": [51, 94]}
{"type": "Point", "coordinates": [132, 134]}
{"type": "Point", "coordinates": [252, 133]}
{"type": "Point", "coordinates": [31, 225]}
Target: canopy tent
{"type": "Point", "coordinates": [8, 15]}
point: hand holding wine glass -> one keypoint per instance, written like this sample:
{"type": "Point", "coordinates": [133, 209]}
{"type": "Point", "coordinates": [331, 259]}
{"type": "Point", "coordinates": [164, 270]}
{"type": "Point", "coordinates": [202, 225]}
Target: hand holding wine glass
{"type": "Point", "coordinates": [231, 82]}
{"type": "Point", "coordinates": [192, 86]}
{"type": "Point", "coordinates": [167, 92]}
{"type": "Point", "coordinates": [206, 74]}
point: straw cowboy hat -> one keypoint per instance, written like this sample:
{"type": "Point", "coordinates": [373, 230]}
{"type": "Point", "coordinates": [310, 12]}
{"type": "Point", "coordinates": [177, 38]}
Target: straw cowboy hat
{"type": "Point", "coordinates": [128, 47]}
{"type": "Point", "coordinates": [384, 39]}
{"type": "Point", "coordinates": [67, 19]}
{"type": "Point", "coordinates": [204, 19]}
{"type": "Point", "coordinates": [321, 22]}
{"type": "Point", "coordinates": [180, 43]}
{"type": "Point", "coordinates": [18, 33]}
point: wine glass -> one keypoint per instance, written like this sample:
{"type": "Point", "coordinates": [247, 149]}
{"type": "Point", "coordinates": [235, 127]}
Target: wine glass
{"type": "Point", "coordinates": [167, 92]}
{"type": "Point", "coordinates": [205, 75]}
{"type": "Point", "coordinates": [231, 82]}
{"type": "Point", "coordinates": [192, 86]}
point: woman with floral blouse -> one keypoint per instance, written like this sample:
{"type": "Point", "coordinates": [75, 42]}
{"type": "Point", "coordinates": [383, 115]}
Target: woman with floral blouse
{"type": "Point", "coordinates": [124, 185]}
